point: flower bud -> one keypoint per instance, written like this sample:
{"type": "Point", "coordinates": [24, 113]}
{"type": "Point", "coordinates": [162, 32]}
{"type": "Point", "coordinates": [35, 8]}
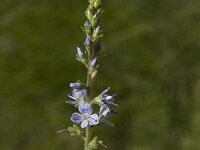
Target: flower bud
{"type": "Point", "coordinates": [87, 42]}
{"type": "Point", "coordinates": [94, 61]}
{"type": "Point", "coordinates": [94, 74]}
{"type": "Point", "coordinates": [76, 85]}
{"type": "Point", "coordinates": [95, 16]}
{"type": "Point", "coordinates": [91, 1]}
{"type": "Point", "coordinates": [94, 20]}
{"type": "Point", "coordinates": [96, 32]}
{"type": "Point", "coordinates": [97, 3]}
{"type": "Point", "coordinates": [97, 46]}
{"type": "Point", "coordinates": [87, 24]}
{"type": "Point", "coordinates": [79, 52]}
{"type": "Point", "coordinates": [89, 14]}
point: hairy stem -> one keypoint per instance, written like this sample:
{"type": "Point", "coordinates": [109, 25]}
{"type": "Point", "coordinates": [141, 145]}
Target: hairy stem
{"type": "Point", "coordinates": [87, 138]}
{"type": "Point", "coordinates": [89, 90]}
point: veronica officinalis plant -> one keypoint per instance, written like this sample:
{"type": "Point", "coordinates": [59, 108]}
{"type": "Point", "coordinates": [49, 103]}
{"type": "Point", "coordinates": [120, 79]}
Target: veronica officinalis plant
{"type": "Point", "coordinates": [84, 118]}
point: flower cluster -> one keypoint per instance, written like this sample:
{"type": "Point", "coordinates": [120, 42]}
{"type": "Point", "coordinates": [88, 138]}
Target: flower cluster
{"type": "Point", "coordinates": [79, 99]}
{"type": "Point", "coordinates": [81, 96]}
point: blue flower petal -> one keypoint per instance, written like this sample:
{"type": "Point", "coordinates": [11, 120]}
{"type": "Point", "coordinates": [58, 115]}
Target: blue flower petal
{"type": "Point", "coordinates": [93, 119]}
{"type": "Point", "coordinates": [84, 124]}
{"type": "Point", "coordinates": [104, 110]}
{"type": "Point", "coordinates": [76, 85]}
{"type": "Point", "coordinates": [79, 93]}
{"type": "Point", "coordinates": [77, 118]}
{"type": "Point", "coordinates": [105, 91]}
{"type": "Point", "coordinates": [85, 108]}
{"type": "Point", "coordinates": [103, 120]}
{"type": "Point", "coordinates": [71, 102]}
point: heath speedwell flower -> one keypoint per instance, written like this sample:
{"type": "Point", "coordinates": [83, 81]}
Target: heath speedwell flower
{"type": "Point", "coordinates": [77, 96]}
{"type": "Point", "coordinates": [85, 117]}
{"type": "Point", "coordinates": [107, 99]}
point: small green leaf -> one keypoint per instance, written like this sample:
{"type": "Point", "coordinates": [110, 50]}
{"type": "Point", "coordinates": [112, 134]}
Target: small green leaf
{"type": "Point", "coordinates": [97, 100]}
{"type": "Point", "coordinates": [101, 143]}
{"type": "Point", "coordinates": [74, 131]}
{"type": "Point", "coordinates": [97, 4]}
{"type": "Point", "coordinates": [93, 144]}
{"type": "Point", "coordinates": [91, 1]}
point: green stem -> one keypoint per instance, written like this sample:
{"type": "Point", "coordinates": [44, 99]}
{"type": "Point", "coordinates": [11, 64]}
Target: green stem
{"type": "Point", "coordinates": [89, 93]}
{"type": "Point", "coordinates": [87, 138]}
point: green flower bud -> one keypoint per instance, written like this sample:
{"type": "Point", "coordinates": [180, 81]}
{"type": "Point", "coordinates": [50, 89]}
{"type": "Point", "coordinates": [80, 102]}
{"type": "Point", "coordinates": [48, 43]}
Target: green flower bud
{"type": "Point", "coordinates": [94, 20]}
{"type": "Point", "coordinates": [88, 14]}
{"type": "Point", "coordinates": [94, 74]}
{"type": "Point", "coordinates": [96, 32]}
{"type": "Point", "coordinates": [92, 1]}
{"type": "Point", "coordinates": [97, 4]}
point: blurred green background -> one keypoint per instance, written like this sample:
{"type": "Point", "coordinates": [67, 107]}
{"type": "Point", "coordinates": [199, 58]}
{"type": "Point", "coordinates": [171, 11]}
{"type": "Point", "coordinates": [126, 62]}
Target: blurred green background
{"type": "Point", "coordinates": [152, 61]}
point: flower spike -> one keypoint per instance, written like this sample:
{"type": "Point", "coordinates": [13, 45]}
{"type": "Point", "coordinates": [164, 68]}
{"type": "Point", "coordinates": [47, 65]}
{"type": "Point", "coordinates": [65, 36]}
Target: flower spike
{"type": "Point", "coordinates": [81, 96]}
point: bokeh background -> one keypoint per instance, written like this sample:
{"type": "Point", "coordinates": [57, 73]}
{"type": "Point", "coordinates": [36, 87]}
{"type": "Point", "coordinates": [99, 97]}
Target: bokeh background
{"type": "Point", "coordinates": [152, 61]}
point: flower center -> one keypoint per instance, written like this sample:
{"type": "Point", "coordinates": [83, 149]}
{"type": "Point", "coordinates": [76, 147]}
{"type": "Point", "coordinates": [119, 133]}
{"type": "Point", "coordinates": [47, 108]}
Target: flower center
{"type": "Point", "coordinates": [85, 117]}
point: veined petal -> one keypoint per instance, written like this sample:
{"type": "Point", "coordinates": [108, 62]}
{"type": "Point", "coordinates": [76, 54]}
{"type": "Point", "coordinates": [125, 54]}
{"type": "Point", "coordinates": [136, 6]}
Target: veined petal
{"type": "Point", "coordinates": [85, 108]}
{"type": "Point", "coordinates": [93, 119]}
{"type": "Point", "coordinates": [71, 102]}
{"type": "Point", "coordinates": [77, 118]}
{"type": "Point", "coordinates": [79, 93]}
{"type": "Point", "coordinates": [84, 124]}
{"type": "Point", "coordinates": [104, 110]}
{"type": "Point", "coordinates": [105, 91]}
{"type": "Point", "coordinates": [103, 120]}
{"type": "Point", "coordinates": [110, 102]}
{"type": "Point", "coordinates": [108, 97]}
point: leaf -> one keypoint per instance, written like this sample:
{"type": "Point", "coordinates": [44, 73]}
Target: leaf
{"type": "Point", "coordinates": [101, 143]}
{"type": "Point", "coordinates": [93, 144]}
{"type": "Point", "coordinates": [74, 131]}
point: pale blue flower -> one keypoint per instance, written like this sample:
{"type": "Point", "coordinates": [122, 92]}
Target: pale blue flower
{"type": "Point", "coordinates": [77, 95]}
{"type": "Point", "coordinates": [107, 99]}
{"type": "Point", "coordinates": [105, 112]}
{"type": "Point", "coordinates": [85, 117]}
